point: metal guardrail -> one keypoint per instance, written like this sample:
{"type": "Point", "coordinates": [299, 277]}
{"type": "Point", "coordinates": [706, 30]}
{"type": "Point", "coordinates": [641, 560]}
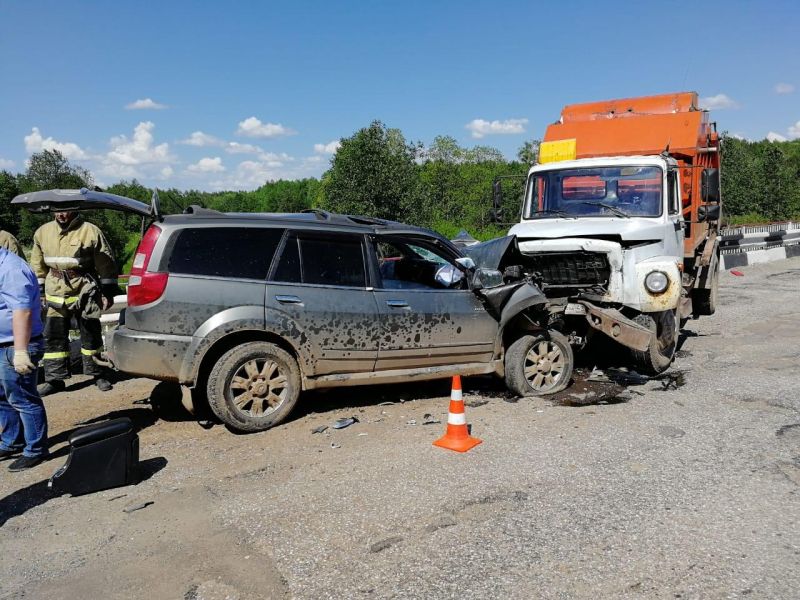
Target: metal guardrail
{"type": "Point", "coordinates": [734, 240]}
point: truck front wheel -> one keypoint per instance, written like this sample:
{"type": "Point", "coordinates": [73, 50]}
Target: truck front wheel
{"type": "Point", "coordinates": [539, 364]}
{"type": "Point", "coordinates": [658, 357]}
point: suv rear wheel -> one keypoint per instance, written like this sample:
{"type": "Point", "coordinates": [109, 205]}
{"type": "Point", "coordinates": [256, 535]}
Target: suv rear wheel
{"type": "Point", "coordinates": [539, 364]}
{"type": "Point", "coordinates": [254, 386]}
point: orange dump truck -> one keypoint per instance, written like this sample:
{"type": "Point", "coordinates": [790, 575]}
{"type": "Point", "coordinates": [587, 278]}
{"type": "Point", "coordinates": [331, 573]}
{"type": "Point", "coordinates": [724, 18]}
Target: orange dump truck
{"type": "Point", "coordinates": [620, 221]}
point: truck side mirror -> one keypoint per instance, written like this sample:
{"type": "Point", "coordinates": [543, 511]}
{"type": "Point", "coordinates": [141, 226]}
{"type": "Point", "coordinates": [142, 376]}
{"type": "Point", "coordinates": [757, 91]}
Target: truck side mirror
{"type": "Point", "coordinates": [709, 184]}
{"type": "Point", "coordinates": [497, 201]}
{"type": "Point", "coordinates": [708, 212]}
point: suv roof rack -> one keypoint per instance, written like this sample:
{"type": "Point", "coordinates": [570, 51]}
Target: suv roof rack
{"type": "Point", "coordinates": [322, 215]}
{"type": "Point", "coordinates": [196, 209]}
{"type": "Point", "coordinates": [362, 220]}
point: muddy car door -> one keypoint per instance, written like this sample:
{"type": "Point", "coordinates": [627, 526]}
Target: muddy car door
{"type": "Point", "coordinates": [318, 294]}
{"type": "Point", "coordinates": [429, 316]}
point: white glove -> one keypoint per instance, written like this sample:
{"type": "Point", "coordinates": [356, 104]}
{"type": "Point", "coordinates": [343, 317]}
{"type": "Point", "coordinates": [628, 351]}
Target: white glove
{"type": "Point", "coordinates": [22, 362]}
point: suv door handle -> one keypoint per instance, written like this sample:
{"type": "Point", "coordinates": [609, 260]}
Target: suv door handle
{"type": "Point", "coordinates": [397, 304]}
{"type": "Point", "coordinates": [288, 299]}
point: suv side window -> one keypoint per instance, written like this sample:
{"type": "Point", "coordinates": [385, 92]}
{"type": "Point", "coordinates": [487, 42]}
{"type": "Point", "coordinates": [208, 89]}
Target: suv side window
{"type": "Point", "coordinates": [241, 252]}
{"type": "Point", "coordinates": [323, 260]}
{"type": "Point", "coordinates": [412, 265]}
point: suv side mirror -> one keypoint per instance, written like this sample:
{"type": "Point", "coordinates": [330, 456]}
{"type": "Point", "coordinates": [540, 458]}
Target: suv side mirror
{"type": "Point", "coordinates": [497, 201]}
{"type": "Point", "coordinates": [466, 262]}
{"type": "Point", "coordinates": [709, 185]}
{"type": "Point", "coordinates": [708, 212]}
{"type": "Point", "coordinates": [486, 278]}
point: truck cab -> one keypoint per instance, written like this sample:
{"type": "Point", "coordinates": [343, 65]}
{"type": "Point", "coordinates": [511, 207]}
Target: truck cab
{"type": "Point", "coordinates": [619, 221]}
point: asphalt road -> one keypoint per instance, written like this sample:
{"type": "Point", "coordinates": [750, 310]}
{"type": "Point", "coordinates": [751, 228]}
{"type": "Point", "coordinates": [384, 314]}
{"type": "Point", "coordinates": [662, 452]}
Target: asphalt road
{"type": "Point", "coordinates": [684, 492]}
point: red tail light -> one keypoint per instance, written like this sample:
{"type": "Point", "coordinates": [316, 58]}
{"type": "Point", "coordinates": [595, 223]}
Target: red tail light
{"type": "Point", "coordinates": [145, 287]}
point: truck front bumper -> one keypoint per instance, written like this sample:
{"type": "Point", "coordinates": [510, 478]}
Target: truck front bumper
{"type": "Point", "coordinates": [618, 327]}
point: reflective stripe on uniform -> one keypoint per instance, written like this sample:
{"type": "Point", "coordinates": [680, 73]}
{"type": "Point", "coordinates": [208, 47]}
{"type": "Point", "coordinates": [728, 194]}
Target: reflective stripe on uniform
{"type": "Point", "coordinates": [86, 352]}
{"type": "Point", "coordinates": [60, 300]}
{"type": "Point", "coordinates": [61, 262]}
{"type": "Point", "coordinates": [55, 355]}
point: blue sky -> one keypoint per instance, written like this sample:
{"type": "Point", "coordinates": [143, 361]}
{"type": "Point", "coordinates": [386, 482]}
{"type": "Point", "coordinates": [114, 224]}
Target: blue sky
{"type": "Point", "coordinates": [271, 86]}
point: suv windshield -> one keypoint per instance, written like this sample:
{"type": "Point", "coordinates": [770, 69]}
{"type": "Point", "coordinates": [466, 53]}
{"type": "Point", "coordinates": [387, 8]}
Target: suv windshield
{"type": "Point", "coordinates": [596, 192]}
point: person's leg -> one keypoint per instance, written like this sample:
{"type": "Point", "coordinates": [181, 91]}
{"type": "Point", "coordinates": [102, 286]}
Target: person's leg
{"type": "Point", "coordinates": [91, 346]}
{"type": "Point", "coordinates": [25, 400]}
{"type": "Point", "coordinates": [56, 350]}
{"type": "Point", "coordinates": [11, 439]}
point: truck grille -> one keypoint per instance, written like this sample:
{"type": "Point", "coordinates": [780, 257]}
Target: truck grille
{"type": "Point", "coordinates": [570, 269]}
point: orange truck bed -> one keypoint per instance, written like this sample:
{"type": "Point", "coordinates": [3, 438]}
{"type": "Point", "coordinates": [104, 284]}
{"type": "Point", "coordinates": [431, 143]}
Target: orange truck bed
{"type": "Point", "coordinates": [647, 126]}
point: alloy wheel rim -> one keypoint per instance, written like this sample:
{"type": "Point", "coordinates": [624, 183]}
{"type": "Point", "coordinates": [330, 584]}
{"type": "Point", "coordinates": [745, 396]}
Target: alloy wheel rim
{"type": "Point", "coordinates": [544, 366]}
{"type": "Point", "coordinates": [258, 387]}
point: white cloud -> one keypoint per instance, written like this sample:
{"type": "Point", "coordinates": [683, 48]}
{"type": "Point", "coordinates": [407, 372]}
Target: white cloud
{"type": "Point", "coordinates": [784, 88]}
{"type": "Point", "coordinates": [481, 128]}
{"type": "Point", "coordinates": [207, 165]}
{"type": "Point", "coordinates": [36, 143]}
{"type": "Point", "coordinates": [136, 156]}
{"type": "Point", "coordinates": [6, 164]}
{"type": "Point", "coordinates": [145, 104]}
{"type": "Point", "coordinates": [718, 102]}
{"type": "Point", "coordinates": [329, 148]}
{"type": "Point", "coordinates": [775, 137]}
{"type": "Point", "coordinates": [140, 149]}
{"type": "Point", "coordinates": [794, 130]}
{"type": "Point", "coordinates": [253, 127]}
{"type": "Point", "coordinates": [267, 166]}
{"type": "Point", "coordinates": [237, 148]}
{"type": "Point", "coordinates": [200, 139]}
{"type": "Point", "coordinates": [166, 172]}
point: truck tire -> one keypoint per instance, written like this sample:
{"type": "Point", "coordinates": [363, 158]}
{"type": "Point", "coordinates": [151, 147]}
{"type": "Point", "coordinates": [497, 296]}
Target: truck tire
{"type": "Point", "coordinates": [538, 365]}
{"type": "Point", "coordinates": [658, 357]}
{"type": "Point", "coordinates": [704, 300]}
{"type": "Point", "coordinates": [254, 386]}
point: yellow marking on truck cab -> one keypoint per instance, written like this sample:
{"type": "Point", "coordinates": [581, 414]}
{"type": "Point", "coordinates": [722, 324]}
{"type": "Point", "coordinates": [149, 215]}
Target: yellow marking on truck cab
{"type": "Point", "coordinates": [558, 150]}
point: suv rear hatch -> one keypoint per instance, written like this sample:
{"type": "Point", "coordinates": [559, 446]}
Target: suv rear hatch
{"type": "Point", "coordinates": [85, 199]}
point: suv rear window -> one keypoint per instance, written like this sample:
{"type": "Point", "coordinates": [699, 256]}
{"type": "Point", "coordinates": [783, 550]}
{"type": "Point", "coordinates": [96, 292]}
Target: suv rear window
{"type": "Point", "coordinates": [322, 260]}
{"type": "Point", "coordinates": [242, 252]}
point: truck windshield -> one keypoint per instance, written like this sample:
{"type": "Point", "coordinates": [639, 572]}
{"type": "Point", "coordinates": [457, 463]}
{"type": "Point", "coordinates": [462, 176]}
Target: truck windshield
{"type": "Point", "coordinates": [595, 192]}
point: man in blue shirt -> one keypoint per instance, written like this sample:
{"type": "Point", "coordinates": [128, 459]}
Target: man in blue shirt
{"type": "Point", "coordinates": [23, 421]}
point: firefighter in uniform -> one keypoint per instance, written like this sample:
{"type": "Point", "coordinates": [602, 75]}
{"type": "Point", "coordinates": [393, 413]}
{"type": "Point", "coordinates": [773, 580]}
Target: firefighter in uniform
{"type": "Point", "coordinates": [10, 243]}
{"type": "Point", "coordinates": [74, 264]}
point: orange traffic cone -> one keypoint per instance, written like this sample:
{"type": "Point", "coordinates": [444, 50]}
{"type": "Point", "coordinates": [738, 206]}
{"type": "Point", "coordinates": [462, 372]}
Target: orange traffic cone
{"type": "Point", "coordinates": [457, 436]}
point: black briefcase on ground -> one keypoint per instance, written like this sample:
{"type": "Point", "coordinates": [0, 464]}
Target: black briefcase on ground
{"type": "Point", "coordinates": [101, 456]}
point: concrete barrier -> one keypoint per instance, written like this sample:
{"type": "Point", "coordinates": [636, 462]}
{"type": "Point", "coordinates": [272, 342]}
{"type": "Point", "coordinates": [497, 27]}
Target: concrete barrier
{"type": "Point", "coordinates": [751, 245]}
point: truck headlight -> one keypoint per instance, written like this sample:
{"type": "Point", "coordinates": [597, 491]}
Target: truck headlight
{"type": "Point", "coordinates": [656, 282]}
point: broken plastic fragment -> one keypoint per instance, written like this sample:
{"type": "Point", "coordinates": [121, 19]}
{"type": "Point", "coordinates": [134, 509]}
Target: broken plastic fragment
{"type": "Point", "coordinates": [345, 422]}
{"type": "Point", "coordinates": [319, 429]}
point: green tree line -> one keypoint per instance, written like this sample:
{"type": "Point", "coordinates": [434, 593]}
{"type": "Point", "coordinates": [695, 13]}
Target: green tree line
{"type": "Point", "coordinates": [378, 172]}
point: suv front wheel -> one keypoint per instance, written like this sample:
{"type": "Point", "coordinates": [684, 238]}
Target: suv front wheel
{"type": "Point", "coordinates": [254, 386]}
{"type": "Point", "coordinates": [539, 364]}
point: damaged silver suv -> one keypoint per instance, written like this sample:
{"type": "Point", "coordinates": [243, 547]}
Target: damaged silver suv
{"type": "Point", "coordinates": [251, 309]}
